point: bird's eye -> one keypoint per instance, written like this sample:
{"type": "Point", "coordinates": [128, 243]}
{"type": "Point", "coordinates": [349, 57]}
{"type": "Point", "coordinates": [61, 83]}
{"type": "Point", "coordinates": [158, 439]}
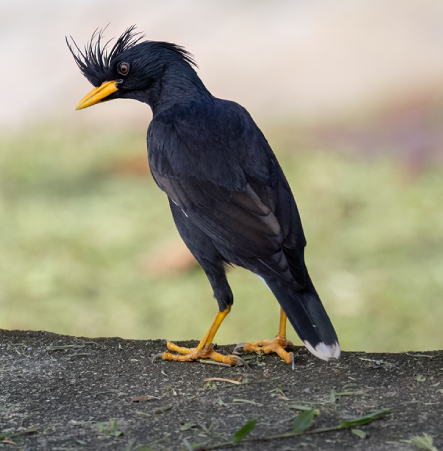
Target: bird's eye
{"type": "Point", "coordinates": [123, 68]}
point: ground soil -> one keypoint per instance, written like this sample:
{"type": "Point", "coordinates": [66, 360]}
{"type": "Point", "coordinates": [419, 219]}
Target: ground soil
{"type": "Point", "coordinates": [63, 399]}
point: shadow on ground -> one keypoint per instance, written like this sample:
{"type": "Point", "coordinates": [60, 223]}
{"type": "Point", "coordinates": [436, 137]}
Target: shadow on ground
{"type": "Point", "coordinates": [60, 392]}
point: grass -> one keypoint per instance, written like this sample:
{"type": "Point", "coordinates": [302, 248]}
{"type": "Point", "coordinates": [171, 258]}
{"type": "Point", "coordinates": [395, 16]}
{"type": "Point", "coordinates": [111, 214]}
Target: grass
{"type": "Point", "coordinates": [75, 233]}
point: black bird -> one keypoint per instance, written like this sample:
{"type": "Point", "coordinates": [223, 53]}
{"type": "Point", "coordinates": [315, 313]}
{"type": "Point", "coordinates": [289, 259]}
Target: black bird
{"type": "Point", "coordinates": [229, 198]}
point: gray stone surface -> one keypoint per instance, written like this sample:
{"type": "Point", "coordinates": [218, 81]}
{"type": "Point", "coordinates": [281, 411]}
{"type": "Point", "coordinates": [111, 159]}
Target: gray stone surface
{"type": "Point", "coordinates": [58, 398]}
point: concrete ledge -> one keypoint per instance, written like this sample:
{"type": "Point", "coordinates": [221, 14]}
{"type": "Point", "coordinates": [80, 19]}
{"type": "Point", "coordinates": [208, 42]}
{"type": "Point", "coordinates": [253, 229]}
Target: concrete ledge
{"type": "Point", "coordinates": [66, 386]}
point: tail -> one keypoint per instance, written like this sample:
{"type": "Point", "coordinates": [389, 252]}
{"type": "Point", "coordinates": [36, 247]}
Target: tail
{"type": "Point", "coordinates": [308, 317]}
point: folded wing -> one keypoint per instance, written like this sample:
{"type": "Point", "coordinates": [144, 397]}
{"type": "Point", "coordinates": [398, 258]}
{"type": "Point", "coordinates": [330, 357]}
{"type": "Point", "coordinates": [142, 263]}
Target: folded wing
{"type": "Point", "coordinates": [257, 227]}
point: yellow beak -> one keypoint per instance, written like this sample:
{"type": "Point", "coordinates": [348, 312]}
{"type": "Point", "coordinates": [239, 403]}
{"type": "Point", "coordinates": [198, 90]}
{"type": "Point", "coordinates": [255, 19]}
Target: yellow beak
{"type": "Point", "coordinates": [98, 94]}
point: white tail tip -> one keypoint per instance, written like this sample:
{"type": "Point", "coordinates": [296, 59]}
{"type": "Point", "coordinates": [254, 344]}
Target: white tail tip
{"type": "Point", "coordinates": [324, 352]}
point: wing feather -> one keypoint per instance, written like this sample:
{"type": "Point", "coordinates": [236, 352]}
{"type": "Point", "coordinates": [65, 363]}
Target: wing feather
{"type": "Point", "coordinates": [228, 183]}
{"type": "Point", "coordinates": [239, 223]}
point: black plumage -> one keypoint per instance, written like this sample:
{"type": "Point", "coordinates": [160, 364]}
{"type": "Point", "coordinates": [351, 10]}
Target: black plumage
{"type": "Point", "coordinates": [229, 198]}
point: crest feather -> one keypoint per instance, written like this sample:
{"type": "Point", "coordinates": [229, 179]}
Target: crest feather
{"type": "Point", "coordinates": [94, 61]}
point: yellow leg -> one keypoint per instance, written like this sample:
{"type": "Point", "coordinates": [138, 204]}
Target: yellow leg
{"type": "Point", "coordinates": [277, 345]}
{"type": "Point", "coordinates": [204, 349]}
{"type": "Point", "coordinates": [282, 325]}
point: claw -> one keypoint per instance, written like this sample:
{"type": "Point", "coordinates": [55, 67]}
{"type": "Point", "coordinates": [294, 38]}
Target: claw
{"type": "Point", "coordinates": [240, 345]}
{"type": "Point", "coordinates": [241, 362]}
{"type": "Point", "coordinates": [156, 356]}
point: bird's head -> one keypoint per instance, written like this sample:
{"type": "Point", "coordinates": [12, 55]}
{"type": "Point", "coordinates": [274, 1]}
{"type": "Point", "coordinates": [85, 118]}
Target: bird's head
{"type": "Point", "coordinates": [129, 69]}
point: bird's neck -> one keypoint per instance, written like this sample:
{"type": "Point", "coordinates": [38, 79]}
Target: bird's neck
{"type": "Point", "coordinates": [177, 85]}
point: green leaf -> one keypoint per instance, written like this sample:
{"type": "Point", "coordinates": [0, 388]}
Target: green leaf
{"type": "Point", "coordinates": [247, 401]}
{"type": "Point", "coordinates": [424, 442]}
{"type": "Point", "coordinates": [239, 435]}
{"type": "Point", "coordinates": [188, 426]}
{"type": "Point", "coordinates": [420, 378]}
{"type": "Point", "coordinates": [109, 428]}
{"type": "Point", "coordinates": [103, 427]}
{"type": "Point", "coordinates": [296, 407]}
{"type": "Point", "coordinates": [130, 445]}
{"type": "Point", "coordinates": [420, 355]}
{"type": "Point", "coordinates": [332, 397]}
{"type": "Point", "coordinates": [30, 430]}
{"type": "Point", "coordinates": [364, 420]}
{"type": "Point", "coordinates": [81, 442]}
{"type": "Point", "coordinates": [304, 420]}
{"type": "Point", "coordinates": [187, 445]}
{"type": "Point", "coordinates": [359, 433]}
{"type": "Point", "coordinates": [163, 409]}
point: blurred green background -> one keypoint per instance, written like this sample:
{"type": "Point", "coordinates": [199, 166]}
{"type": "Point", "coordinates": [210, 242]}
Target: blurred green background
{"type": "Point", "coordinates": [349, 95]}
{"type": "Point", "coordinates": [81, 221]}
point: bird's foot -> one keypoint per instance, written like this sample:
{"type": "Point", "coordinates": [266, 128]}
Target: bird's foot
{"type": "Point", "coordinates": [277, 345]}
{"type": "Point", "coordinates": [205, 352]}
